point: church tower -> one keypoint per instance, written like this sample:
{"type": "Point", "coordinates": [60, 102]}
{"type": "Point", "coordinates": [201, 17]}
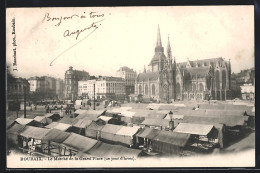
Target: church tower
{"type": "Point", "coordinates": [158, 60]}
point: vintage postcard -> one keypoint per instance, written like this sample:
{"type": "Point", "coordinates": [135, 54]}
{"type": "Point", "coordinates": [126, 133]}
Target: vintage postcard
{"type": "Point", "coordinates": [96, 87]}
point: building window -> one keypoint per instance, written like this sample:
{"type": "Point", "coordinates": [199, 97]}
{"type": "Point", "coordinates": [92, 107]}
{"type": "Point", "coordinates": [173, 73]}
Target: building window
{"type": "Point", "coordinates": [224, 77]}
{"type": "Point", "coordinates": [140, 89]}
{"type": "Point", "coordinates": [146, 89]}
{"type": "Point", "coordinates": [153, 89]}
{"type": "Point", "coordinates": [217, 80]}
{"type": "Point", "coordinates": [201, 87]}
{"type": "Point", "coordinates": [194, 87]}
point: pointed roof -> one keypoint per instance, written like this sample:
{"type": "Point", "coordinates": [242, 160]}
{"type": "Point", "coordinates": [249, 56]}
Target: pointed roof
{"type": "Point", "coordinates": [169, 52]}
{"type": "Point", "coordinates": [158, 42]}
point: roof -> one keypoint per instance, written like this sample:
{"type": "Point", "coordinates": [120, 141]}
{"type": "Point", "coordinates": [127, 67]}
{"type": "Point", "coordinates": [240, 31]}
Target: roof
{"type": "Point", "coordinates": [102, 149]}
{"type": "Point", "coordinates": [24, 121]}
{"type": "Point", "coordinates": [80, 111]}
{"type": "Point", "coordinates": [195, 129]}
{"type": "Point", "coordinates": [227, 120]}
{"type": "Point", "coordinates": [127, 113]}
{"type": "Point", "coordinates": [43, 119]}
{"type": "Point", "coordinates": [128, 131]}
{"type": "Point", "coordinates": [16, 128]}
{"type": "Point", "coordinates": [148, 133]}
{"type": "Point", "coordinates": [199, 71]}
{"type": "Point", "coordinates": [157, 56]}
{"type": "Point", "coordinates": [50, 114]}
{"type": "Point", "coordinates": [105, 118]}
{"type": "Point", "coordinates": [94, 126]}
{"type": "Point", "coordinates": [92, 112]}
{"type": "Point", "coordinates": [67, 120]}
{"type": "Point", "coordinates": [110, 128]}
{"type": "Point", "coordinates": [156, 122]}
{"type": "Point", "coordinates": [82, 123]}
{"type": "Point", "coordinates": [148, 75]}
{"type": "Point", "coordinates": [55, 135]}
{"type": "Point", "coordinates": [59, 126]}
{"type": "Point", "coordinates": [34, 132]}
{"type": "Point", "coordinates": [173, 138]}
{"type": "Point", "coordinates": [205, 62]}
{"type": "Point", "coordinates": [174, 117]}
{"type": "Point", "coordinates": [80, 142]}
{"type": "Point", "coordinates": [158, 114]}
{"type": "Point", "coordinates": [127, 69]}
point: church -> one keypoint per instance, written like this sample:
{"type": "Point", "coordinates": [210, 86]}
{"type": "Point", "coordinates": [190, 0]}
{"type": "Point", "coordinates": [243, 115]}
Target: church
{"type": "Point", "coordinates": [165, 80]}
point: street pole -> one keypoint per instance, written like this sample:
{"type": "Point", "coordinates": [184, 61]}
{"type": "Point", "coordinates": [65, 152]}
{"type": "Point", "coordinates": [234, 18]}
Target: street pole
{"type": "Point", "coordinates": [24, 101]}
{"type": "Point", "coordinates": [94, 97]}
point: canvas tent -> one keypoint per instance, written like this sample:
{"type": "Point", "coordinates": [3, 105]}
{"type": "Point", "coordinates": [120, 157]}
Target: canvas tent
{"type": "Point", "coordinates": [107, 150]}
{"type": "Point", "coordinates": [169, 142]}
{"type": "Point", "coordinates": [13, 132]}
{"type": "Point", "coordinates": [78, 142]}
{"type": "Point", "coordinates": [59, 126]}
{"type": "Point", "coordinates": [195, 129]}
{"type": "Point", "coordinates": [34, 132]}
{"type": "Point", "coordinates": [93, 130]}
{"type": "Point", "coordinates": [156, 123]}
{"type": "Point", "coordinates": [52, 140]}
{"type": "Point", "coordinates": [108, 132]}
{"type": "Point", "coordinates": [79, 126]}
{"type": "Point", "coordinates": [53, 116]}
{"type": "Point", "coordinates": [27, 121]}
{"type": "Point", "coordinates": [126, 135]}
{"type": "Point", "coordinates": [42, 119]}
{"type": "Point", "coordinates": [66, 120]}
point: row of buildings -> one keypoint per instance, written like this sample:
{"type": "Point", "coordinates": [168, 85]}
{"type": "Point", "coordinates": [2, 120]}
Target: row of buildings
{"type": "Point", "coordinates": [164, 80]}
{"type": "Point", "coordinates": [86, 86]}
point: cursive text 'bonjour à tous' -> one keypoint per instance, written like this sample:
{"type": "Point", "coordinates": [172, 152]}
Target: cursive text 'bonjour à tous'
{"type": "Point", "coordinates": [47, 17]}
{"type": "Point", "coordinates": [77, 32]}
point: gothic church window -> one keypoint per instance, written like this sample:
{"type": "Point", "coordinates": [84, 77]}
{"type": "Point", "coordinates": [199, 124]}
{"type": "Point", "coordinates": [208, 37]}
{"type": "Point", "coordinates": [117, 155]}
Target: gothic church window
{"type": "Point", "coordinates": [153, 89]}
{"type": "Point", "coordinates": [140, 89]}
{"type": "Point", "coordinates": [217, 80]}
{"type": "Point", "coordinates": [224, 77]}
{"type": "Point", "coordinates": [201, 87]}
{"type": "Point", "coordinates": [146, 89]}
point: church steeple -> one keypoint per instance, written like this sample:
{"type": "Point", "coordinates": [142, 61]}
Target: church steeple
{"type": "Point", "coordinates": [158, 47]}
{"type": "Point", "coordinates": [158, 42]}
{"type": "Point", "coordinates": [169, 51]}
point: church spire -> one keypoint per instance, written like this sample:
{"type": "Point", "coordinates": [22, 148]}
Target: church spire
{"type": "Point", "coordinates": [158, 42]}
{"type": "Point", "coordinates": [169, 52]}
{"type": "Point", "coordinates": [158, 47]}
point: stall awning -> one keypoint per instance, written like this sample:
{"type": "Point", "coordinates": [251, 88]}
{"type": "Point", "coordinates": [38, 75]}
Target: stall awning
{"type": "Point", "coordinates": [24, 121]}
{"type": "Point", "coordinates": [55, 135]}
{"type": "Point", "coordinates": [15, 129]}
{"type": "Point", "coordinates": [95, 126]}
{"type": "Point", "coordinates": [156, 122]}
{"type": "Point", "coordinates": [42, 119]}
{"type": "Point", "coordinates": [105, 118]}
{"type": "Point", "coordinates": [59, 126]}
{"type": "Point", "coordinates": [173, 138]}
{"type": "Point", "coordinates": [174, 117]}
{"type": "Point", "coordinates": [34, 132]}
{"type": "Point", "coordinates": [80, 111]}
{"type": "Point", "coordinates": [79, 142]}
{"type": "Point", "coordinates": [195, 129]}
{"type": "Point", "coordinates": [110, 128]}
{"type": "Point", "coordinates": [82, 123]}
{"type": "Point", "coordinates": [148, 133]}
{"type": "Point", "coordinates": [127, 131]}
{"type": "Point", "coordinates": [66, 120]}
{"type": "Point", "coordinates": [107, 150]}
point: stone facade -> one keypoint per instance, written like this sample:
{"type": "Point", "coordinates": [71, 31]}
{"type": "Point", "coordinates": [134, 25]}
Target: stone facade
{"type": "Point", "coordinates": [165, 80]}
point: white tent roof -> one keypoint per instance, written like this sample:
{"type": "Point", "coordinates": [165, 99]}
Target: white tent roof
{"type": "Point", "coordinates": [80, 111]}
{"type": "Point", "coordinates": [195, 129]}
{"type": "Point", "coordinates": [23, 121]}
{"type": "Point", "coordinates": [59, 126]}
{"type": "Point", "coordinates": [128, 131]}
{"type": "Point", "coordinates": [105, 118]}
{"type": "Point", "coordinates": [128, 113]}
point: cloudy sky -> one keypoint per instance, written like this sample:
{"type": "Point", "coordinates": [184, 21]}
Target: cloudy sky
{"type": "Point", "coordinates": [126, 36]}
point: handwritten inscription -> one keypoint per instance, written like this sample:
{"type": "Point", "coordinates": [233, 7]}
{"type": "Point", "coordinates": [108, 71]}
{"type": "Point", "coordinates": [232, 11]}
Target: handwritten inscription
{"type": "Point", "coordinates": [47, 17]}
{"type": "Point", "coordinates": [14, 45]}
{"type": "Point", "coordinates": [94, 19]}
{"type": "Point", "coordinates": [78, 31]}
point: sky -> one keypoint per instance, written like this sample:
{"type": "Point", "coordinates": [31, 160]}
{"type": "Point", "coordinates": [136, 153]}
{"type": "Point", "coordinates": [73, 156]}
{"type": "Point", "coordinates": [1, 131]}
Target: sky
{"type": "Point", "coordinates": [125, 36]}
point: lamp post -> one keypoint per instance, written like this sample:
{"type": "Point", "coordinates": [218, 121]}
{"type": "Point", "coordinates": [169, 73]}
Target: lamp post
{"type": "Point", "coordinates": [25, 101]}
{"type": "Point", "coordinates": [171, 123]}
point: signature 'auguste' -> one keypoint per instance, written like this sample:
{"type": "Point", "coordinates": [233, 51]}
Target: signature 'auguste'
{"type": "Point", "coordinates": [77, 32]}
